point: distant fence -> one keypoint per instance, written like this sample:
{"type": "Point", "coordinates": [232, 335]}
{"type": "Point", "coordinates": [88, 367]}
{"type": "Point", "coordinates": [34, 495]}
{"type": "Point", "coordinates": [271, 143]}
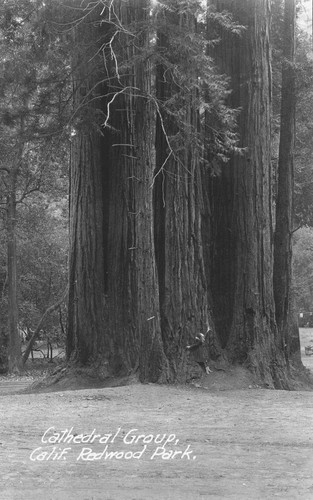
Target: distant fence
{"type": "Point", "coordinates": [46, 350]}
{"type": "Point", "coordinates": [305, 319]}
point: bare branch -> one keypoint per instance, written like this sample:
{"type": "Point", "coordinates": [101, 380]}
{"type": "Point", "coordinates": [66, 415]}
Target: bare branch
{"type": "Point", "coordinates": [105, 124]}
{"type": "Point", "coordinates": [297, 228]}
{"type": "Point", "coordinates": [27, 193]}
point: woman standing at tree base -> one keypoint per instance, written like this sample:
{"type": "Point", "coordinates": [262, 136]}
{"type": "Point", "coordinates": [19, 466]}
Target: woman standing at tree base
{"type": "Point", "coordinates": [199, 352]}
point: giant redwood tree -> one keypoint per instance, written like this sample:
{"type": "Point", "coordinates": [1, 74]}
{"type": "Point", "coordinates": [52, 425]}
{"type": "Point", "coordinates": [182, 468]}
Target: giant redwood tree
{"type": "Point", "coordinates": [86, 265]}
{"type": "Point", "coordinates": [185, 303]}
{"type": "Point", "coordinates": [164, 240]}
{"type": "Point", "coordinates": [289, 337]}
{"type": "Point", "coordinates": [242, 264]}
{"type": "Point", "coordinates": [132, 286]}
{"type": "Point", "coordinates": [114, 302]}
{"type": "Point", "coordinates": [138, 289]}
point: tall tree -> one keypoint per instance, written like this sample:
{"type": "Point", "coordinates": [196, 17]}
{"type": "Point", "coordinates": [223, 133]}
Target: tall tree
{"type": "Point", "coordinates": [29, 111]}
{"type": "Point", "coordinates": [14, 358]}
{"type": "Point", "coordinates": [284, 200]}
{"type": "Point", "coordinates": [86, 265]}
{"type": "Point", "coordinates": [179, 200]}
{"type": "Point", "coordinates": [14, 109]}
{"type": "Point", "coordinates": [113, 309]}
{"type": "Point", "coordinates": [133, 297]}
{"type": "Point", "coordinates": [140, 284]}
{"type": "Point", "coordinates": [242, 264]}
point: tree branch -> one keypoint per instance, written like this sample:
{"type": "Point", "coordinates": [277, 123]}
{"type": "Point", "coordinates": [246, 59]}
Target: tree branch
{"type": "Point", "coordinates": [48, 311]}
{"type": "Point", "coordinates": [26, 193]}
{"type": "Point", "coordinates": [299, 227]}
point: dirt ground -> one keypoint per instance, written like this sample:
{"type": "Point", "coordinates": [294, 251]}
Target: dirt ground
{"type": "Point", "coordinates": [229, 439]}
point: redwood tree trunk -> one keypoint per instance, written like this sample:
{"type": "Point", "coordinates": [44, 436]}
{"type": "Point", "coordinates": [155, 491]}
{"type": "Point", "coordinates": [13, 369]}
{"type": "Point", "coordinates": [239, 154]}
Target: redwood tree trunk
{"type": "Point", "coordinates": [114, 300]}
{"type": "Point", "coordinates": [86, 295]}
{"type": "Point", "coordinates": [179, 205]}
{"type": "Point", "coordinates": [284, 201]}
{"type": "Point", "coordinates": [242, 266]}
{"type": "Point", "coordinates": [86, 266]}
{"type": "Point", "coordinates": [14, 352]}
{"type": "Point", "coordinates": [133, 300]}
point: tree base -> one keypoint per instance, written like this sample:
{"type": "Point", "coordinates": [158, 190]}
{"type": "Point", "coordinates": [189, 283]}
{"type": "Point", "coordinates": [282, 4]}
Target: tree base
{"type": "Point", "coordinates": [224, 376]}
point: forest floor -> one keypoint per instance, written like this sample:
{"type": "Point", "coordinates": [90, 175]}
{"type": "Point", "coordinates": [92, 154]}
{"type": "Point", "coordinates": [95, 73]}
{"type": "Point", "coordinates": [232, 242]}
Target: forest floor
{"type": "Point", "coordinates": [222, 437]}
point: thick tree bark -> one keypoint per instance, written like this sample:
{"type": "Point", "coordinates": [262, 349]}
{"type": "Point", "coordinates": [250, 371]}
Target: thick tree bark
{"type": "Point", "coordinates": [133, 301]}
{"type": "Point", "coordinates": [86, 297]}
{"type": "Point", "coordinates": [137, 297]}
{"type": "Point", "coordinates": [242, 266]}
{"type": "Point", "coordinates": [284, 200]}
{"type": "Point", "coordinates": [114, 302]}
{"type": "Point", "coordinates": [179, 207]}
{"type": "Point", "coordinates": [86, 266]}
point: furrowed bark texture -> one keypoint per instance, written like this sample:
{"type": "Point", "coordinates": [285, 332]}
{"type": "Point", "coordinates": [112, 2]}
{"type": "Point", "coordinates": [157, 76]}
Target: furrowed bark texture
{"type": "Point", "coordinates": [284, 200]}
{"type": "Point", "coordinates": [141, 226]}
{"type": "Point", "coordinates": [86, 267]}
{"type": "Point", "coordinates": [114, 300]}
{"type": "Point", "coordinates": [178, 231]}
{"type": "Point", "coordinates": [242, 266]}
{"type": "Point", "coordinates": [133, 299]}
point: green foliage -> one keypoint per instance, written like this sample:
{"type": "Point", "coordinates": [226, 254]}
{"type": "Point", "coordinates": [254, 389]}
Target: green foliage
{"type": "Point", "coordinates": [277, 7]}
{"type": "Point", "coordinates": [42, 259]}
{"type": "Point", "coordinates": [42, 263]}
{"type": "Point", "coordinates": [34, 96]}
{"type": "Point", "coordinates": [303, 196]}
{"type": "Point", "coordinates": [182, 56]}
{"type": "Point", "coordinates": [303, 268]}
{"type": "Point", "coordinates": [177, 45]}
{"type": "Point", "coordinates": [303, 158]}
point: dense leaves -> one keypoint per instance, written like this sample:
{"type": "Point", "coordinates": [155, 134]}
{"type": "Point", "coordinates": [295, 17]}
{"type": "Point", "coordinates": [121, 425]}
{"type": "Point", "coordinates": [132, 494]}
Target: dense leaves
{"type": "Point", "coordinates": [33, 95]}
{"type": "Point", "coordinates": [304, 149]}
{"type": "Point", "coordinates": [303, 268]}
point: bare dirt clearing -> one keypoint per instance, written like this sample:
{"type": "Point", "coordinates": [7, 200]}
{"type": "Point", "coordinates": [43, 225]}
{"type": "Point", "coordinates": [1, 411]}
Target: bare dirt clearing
{"type": "Point", "coordinates": [239, 444]}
